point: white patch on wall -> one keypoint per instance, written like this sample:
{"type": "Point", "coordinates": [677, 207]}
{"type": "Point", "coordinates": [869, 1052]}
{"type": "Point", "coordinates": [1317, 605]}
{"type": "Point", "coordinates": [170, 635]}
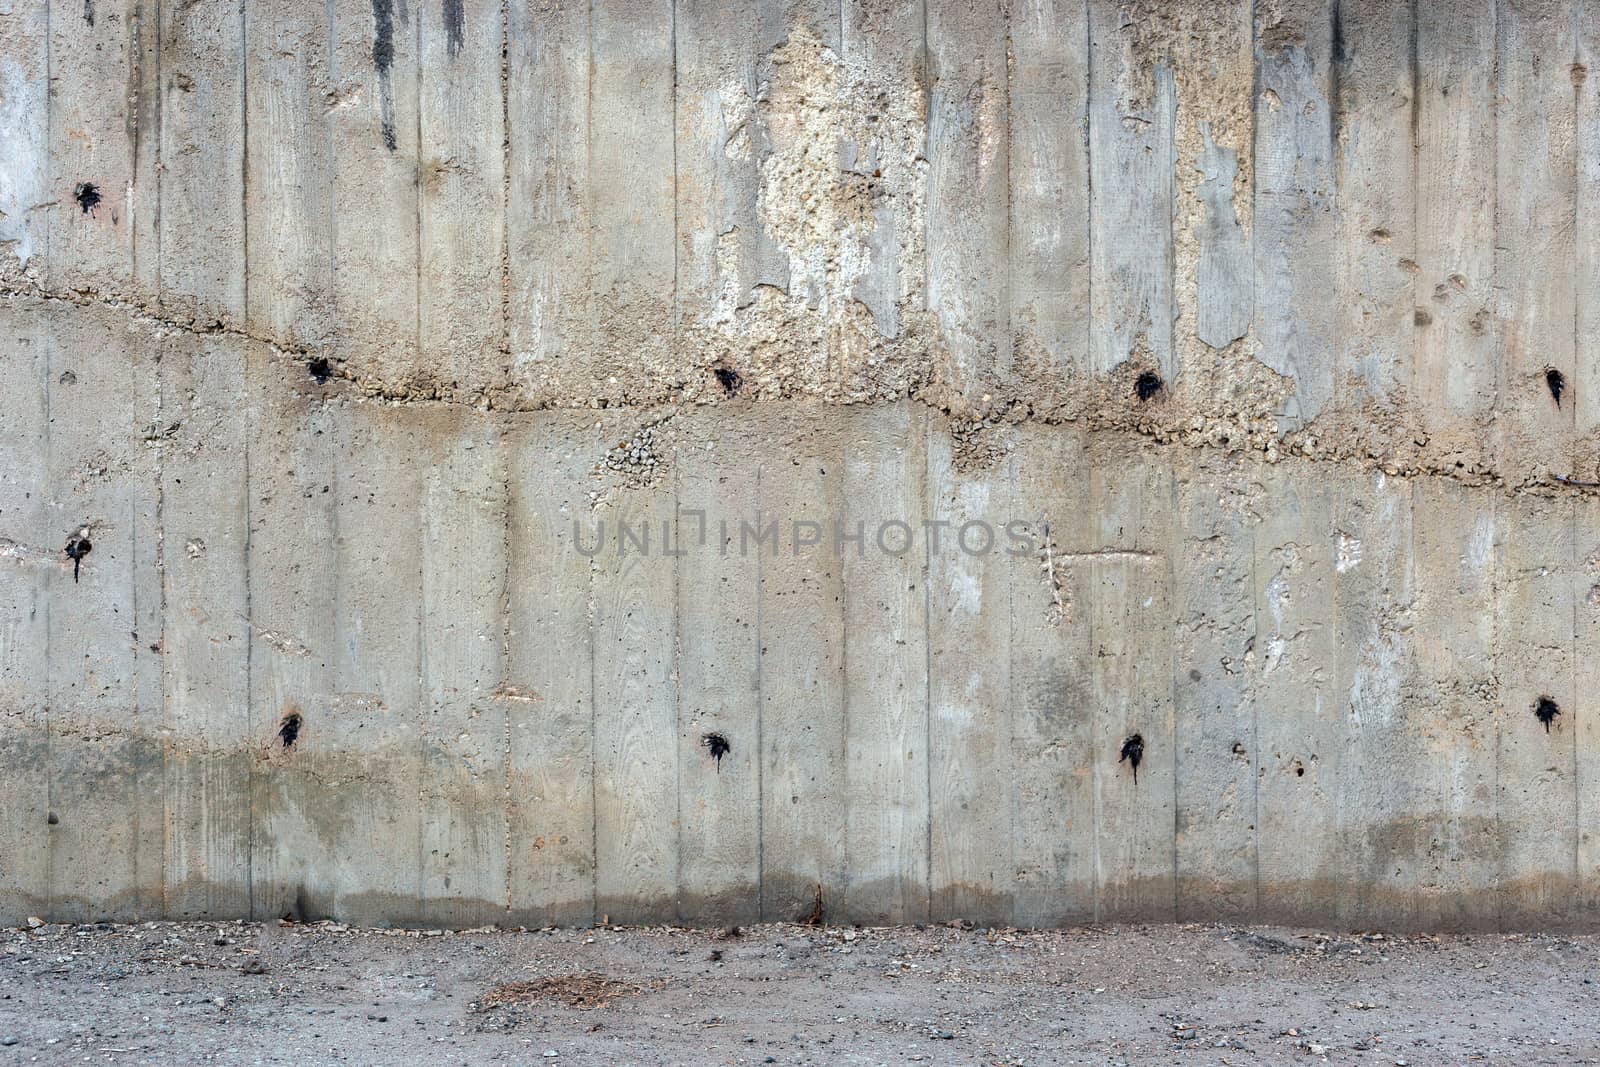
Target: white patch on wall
{"type": "Point", "coordinates": [22, 156]}
{"type": "Point", "coordinates": [726, 302]}
{"type": "Point", "coordinates": [729, 112]}
{"type": "Point", "coordinates": [1277, 593]}
{"type": "Point", "coordinates": [1481, 547]}
{"type": "Point", "coordinates": [844, 163]}
{"type": "Point", "coordinates": [967, 593]}
{"type": "Point", "coordinates": [971, 499]}
{"type": "Point", "coordinates": [955, 713]}
{"type": "Point", "coordinates": [1375, 689]}
{"type": "Point", "coordinates": [1347, 554]}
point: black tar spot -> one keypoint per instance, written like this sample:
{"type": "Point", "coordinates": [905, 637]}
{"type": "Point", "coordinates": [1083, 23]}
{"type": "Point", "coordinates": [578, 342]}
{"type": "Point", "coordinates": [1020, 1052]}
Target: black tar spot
{"type": "Point", "coordinates": [1557, 383]}
{"type": "Point", "coordinates": [1546, 711]}
{"type": "Point", "coordinates": [78, 546]}
{"type": "Point", "coordinates": [718, 746]}
{"type": "Point", "coordinates": [87, 194]}
{"type": "Point", "coordinates": [1133, 753]}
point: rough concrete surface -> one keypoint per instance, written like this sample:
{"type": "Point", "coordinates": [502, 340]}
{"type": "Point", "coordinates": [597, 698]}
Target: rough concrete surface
{"type": "Point", "coordinates": [1258, 336]}
{"type": "Point", "coordinates": [1192, 995]}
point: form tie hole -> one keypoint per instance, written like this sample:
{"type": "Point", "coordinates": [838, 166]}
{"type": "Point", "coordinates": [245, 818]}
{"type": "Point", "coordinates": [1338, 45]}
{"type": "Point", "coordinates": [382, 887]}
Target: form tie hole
{"type": "Point", "coordinates": [87, 194]}
{"type": "Point", "coordinates": [717, 745]}
{"type": "Point", "coordinates": [1133, 754]}
{"type": "Point", "coordinates": [1557, 382]}
{"type": "Point", "coordinates": [1546, 711]}
{"type": "Point", "coordinates": [78, 546]}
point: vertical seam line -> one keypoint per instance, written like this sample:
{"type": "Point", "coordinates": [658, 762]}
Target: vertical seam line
{"type": "Point", "coordinates": [249, 609]}
{"type": "Point", "coordinates": [928, 500]}
{"type": "Point", "coordinates": [761, 758]}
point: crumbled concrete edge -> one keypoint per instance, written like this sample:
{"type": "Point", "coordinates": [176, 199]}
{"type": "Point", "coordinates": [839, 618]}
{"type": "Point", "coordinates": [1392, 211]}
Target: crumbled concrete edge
{"type": "Point", "coordinates": [1382, 441]}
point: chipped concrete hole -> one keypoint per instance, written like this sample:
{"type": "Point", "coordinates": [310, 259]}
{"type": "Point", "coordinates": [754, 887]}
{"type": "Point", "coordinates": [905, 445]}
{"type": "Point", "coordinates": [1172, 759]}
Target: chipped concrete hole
{"type": "Point", "coordinates": [1556, 382]}
{"type": "Point", "coordinates": [1132, 754]}
{"type": "Point", "coordinates": [87, 195]}
{"type": "Point", "coordinates": [78, 546]}
{"type": "Point", "coordinates": [1546, 710]}
{"type": "Point", "coordinates": [289, 729]}
{"type": "Point", "coordinates": [1147, 385]}
{"type": "Point", "coordinates": [717, 746]}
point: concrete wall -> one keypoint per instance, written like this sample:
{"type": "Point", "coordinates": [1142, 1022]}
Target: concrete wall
{"type": "Point", "coordinates": [338, 330]}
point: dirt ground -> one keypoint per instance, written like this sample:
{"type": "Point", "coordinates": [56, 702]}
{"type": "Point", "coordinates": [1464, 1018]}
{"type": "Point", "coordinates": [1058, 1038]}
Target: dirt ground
{"type": "Point", "coordinates": [242, 993]}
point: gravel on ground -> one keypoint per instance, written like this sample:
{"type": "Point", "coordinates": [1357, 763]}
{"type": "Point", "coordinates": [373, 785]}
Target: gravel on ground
{"type": "Point", "coordinates": [1193, 995]}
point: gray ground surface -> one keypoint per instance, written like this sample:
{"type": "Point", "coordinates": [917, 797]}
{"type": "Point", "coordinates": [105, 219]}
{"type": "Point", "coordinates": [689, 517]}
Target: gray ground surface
{"type": "Point", "coordinates": [1192, 995]}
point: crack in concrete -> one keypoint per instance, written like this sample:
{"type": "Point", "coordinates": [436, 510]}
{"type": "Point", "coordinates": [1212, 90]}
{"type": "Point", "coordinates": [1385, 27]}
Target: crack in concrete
{"type": "Point", "coordinates": [1303, 445]}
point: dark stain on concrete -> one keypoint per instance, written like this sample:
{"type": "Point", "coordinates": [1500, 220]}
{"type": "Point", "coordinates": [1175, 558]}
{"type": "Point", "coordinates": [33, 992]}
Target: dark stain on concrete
{"type": "Point", "coordinates": [87, 194]}
{"type": "Point", "coordinates": [1556, 382]}
{"type": "Point", "coordinates": [289, 729]}
{"type": "Point", "coordinates": [1133, 754]}
{"type": "Point", "coordinates": [1339, 59]}
{"type": "Point", "coordinates": [383, 63]}
{"type": "Point", "coordinates": [817, 913]}
{"type": "Point", "coordinates": [717, 745]}
{"type": "Point", "coordinates": [454, 26]}
{"type": "Point", "coordinates": [1546, 711]}
{"type": "Point", "coordinates": [78, 546]}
